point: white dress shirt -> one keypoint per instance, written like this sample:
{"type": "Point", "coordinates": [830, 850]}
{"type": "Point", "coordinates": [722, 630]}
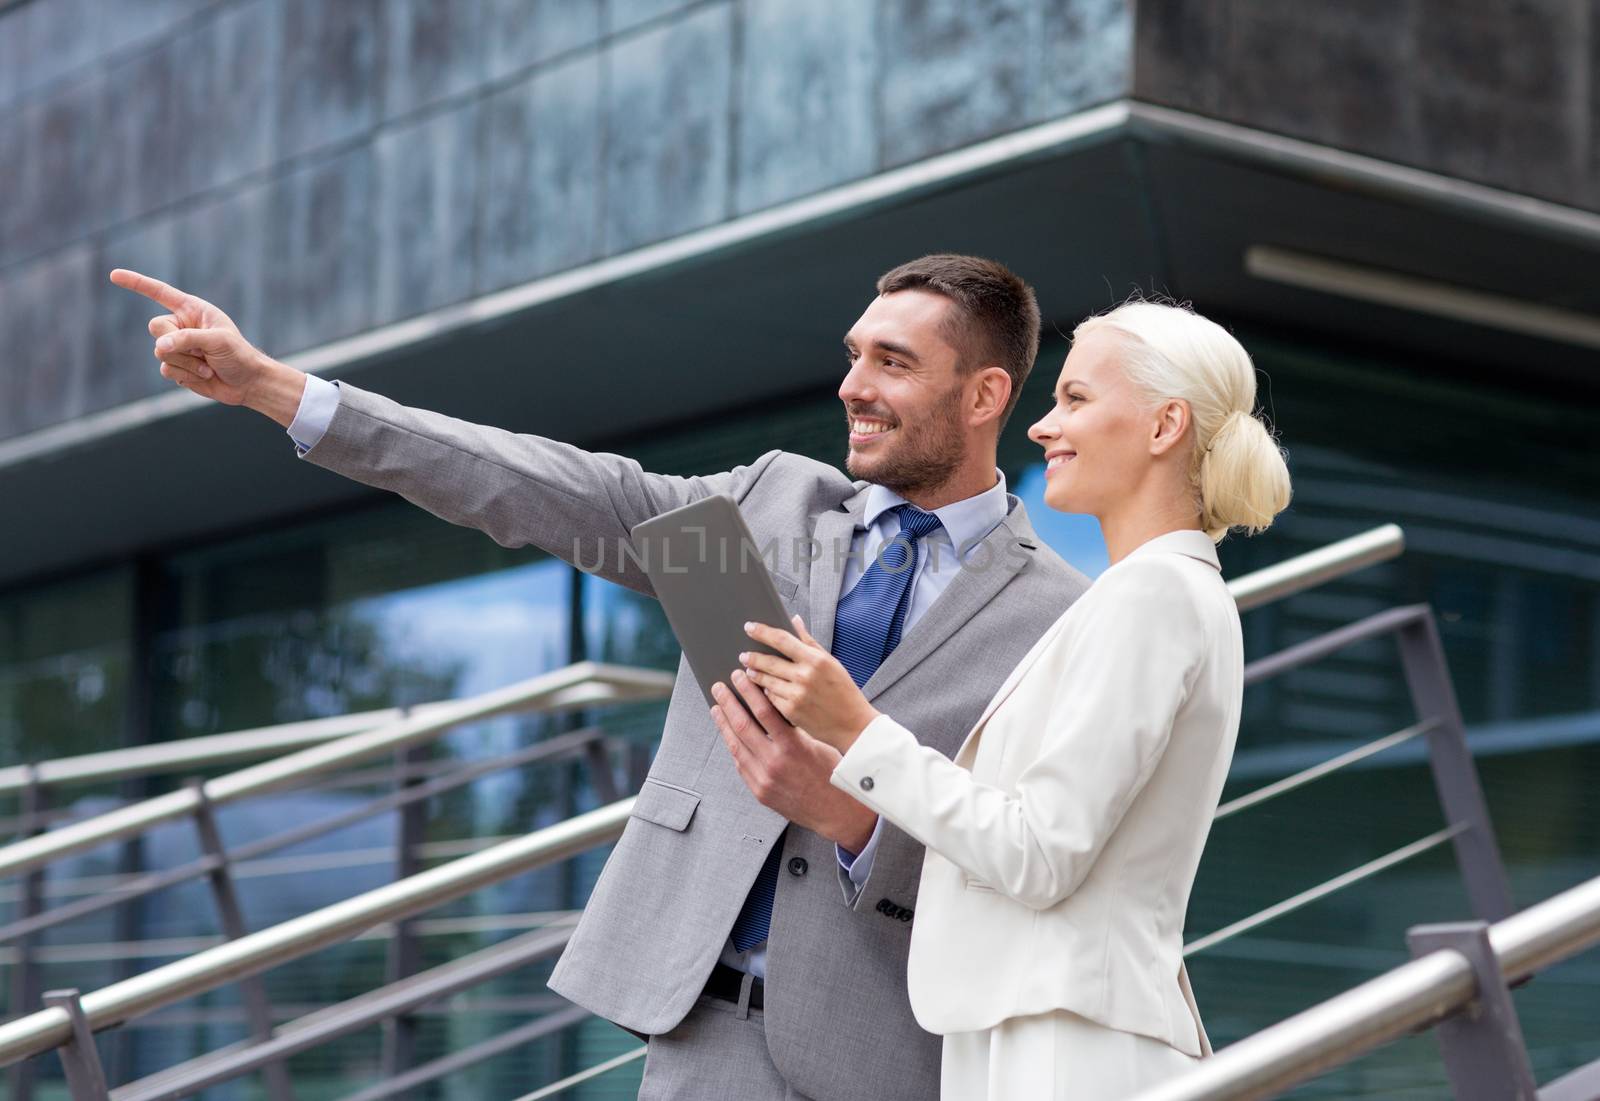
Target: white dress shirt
{"type": "Point", "coordinates": [963, 525]}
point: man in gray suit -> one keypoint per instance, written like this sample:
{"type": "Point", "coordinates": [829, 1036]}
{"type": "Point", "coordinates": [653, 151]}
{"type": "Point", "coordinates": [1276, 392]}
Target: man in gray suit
{"type": "Point", "coordinates": [759, 941]}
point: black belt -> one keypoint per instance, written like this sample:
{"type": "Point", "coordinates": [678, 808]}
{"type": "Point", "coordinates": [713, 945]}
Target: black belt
{"type": "Point", "coordinates": [725, 983]}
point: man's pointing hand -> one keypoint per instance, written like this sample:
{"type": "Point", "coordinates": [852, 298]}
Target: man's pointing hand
{"type": "Point", "coordinates": [201, 349]}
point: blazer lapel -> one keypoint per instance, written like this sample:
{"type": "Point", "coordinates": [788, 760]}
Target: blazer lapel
{"type": "Point", "coordinates": [833, 532]}
{"type": "Point", "coordinates": [1005, 551]}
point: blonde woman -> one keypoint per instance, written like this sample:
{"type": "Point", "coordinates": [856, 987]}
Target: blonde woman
{"type": "Point", "coordinates": [1062, 840]}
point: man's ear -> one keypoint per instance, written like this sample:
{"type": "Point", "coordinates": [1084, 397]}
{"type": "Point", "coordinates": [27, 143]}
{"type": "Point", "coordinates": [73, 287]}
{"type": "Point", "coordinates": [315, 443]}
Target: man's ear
{"type": "Point", "coordinates": [990, 390]}
{"type": "Point", "coordinates": [1171, 423]}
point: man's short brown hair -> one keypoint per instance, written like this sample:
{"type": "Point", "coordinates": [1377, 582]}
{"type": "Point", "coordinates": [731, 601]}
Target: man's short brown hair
{"type": "Point", "coordinates": [996, 320]}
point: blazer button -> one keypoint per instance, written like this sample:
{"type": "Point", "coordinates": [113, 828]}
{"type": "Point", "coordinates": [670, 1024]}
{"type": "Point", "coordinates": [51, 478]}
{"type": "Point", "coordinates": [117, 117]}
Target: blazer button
{"type": "Point", "coordinates": [797, 866]}
{"type": "Point", "coordinates": [866, 783]}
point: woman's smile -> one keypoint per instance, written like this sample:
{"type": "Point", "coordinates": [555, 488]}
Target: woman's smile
{"type": "Point", "coordinates": [1054, 460]}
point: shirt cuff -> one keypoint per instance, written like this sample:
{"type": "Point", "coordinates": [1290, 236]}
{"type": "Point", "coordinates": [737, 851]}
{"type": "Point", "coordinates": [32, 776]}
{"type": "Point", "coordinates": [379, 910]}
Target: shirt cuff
{"type": "Point", "coordinates": [859, 865]}
{"type": "Point", "coordinates": [318, 404]}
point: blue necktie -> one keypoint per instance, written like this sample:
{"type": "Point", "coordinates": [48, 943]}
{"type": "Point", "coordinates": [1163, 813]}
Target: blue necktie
{"type": "Point", "coordinates": [866, 628]}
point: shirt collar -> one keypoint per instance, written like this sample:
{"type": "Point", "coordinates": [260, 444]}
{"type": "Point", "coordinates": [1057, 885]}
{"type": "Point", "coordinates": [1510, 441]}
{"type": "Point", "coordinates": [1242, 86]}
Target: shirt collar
{"type": "Point", "coordinates": [966, 522]}
{"type": "Point", "coordinates": [1185, 541]}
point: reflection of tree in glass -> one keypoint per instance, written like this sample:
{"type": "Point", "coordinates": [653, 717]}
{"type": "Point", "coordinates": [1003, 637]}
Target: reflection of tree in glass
{"type": "Point", "coordinates": [64, 657]}
{"type": "Point", "coordinates": [64, 705]}
{"type": "Point", "coordinates": [628, 628]}
{"type": "Point", "coordinates": [267, 669]}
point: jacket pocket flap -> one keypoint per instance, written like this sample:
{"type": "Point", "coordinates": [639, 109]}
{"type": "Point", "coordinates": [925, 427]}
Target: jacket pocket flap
{"type": "Point", "coordinates": [665, 805]}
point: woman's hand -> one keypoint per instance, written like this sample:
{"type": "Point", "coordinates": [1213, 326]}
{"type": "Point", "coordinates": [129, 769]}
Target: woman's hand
{"type": "Point", "coordinates": [808, 685]}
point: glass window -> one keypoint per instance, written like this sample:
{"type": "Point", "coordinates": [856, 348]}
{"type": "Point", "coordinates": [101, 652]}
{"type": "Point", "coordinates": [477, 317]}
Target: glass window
{"type": "Point", "coordinates": [65, 660]}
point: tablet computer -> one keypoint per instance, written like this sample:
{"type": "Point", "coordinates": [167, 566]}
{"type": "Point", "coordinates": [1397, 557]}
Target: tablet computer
{"type": "Point", "coordinates": [710, 578]}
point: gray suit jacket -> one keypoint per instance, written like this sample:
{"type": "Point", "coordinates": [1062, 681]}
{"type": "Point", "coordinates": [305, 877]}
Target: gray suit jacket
{"type": "Point", "coordinates": [838, 1020]}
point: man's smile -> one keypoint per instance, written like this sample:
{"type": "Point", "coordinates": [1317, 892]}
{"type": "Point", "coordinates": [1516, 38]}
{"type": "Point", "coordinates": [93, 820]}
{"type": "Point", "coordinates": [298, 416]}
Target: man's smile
{"type": "Point", "coordinates": [863, 429]}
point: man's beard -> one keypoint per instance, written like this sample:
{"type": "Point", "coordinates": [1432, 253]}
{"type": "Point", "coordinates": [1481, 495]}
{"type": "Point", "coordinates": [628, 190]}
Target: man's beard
{"type": "Point", "coordinates": [925, 455]}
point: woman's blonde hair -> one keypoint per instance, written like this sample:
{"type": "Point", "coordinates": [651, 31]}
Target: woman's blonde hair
{"type": "Point", "coordinates": [1237, 471]}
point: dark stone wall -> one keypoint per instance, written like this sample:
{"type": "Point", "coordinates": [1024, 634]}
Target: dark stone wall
{"type": "Point", "coordinates": [1500, 92]}
{"type": "Point", "coordinates": [322, 168]}
{"type": "Point", "coordinates": [319, 168]}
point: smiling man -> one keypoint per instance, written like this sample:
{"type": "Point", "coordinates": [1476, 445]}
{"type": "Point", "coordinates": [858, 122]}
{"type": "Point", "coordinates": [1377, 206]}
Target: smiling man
{"type": "Point", "coordinates": [757, 935]}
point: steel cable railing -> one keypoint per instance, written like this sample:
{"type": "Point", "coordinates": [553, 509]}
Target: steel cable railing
{"type": "Point", "coordinates": [582, 1076]}
{"type": "Point", "coordinates": [1323, 889]}
{"type": "Point", "coordinates": [251, 954]}
{"type": "Point", "coordinates": [1456, 781]}
{"type": "Point", "coordinates": [256, 952]}
{"type": "Point", "coordinates": [582, 685]}
{"type": "Point", "coordinates": [1268, 792]}
{"type": "Point", "coordinates": [126, 889]}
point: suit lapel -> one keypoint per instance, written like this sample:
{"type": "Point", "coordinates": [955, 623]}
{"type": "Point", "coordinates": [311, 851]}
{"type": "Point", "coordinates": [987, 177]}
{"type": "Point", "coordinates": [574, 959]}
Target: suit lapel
{"type": "Point", "coordinates": [1017, 673]}
{"type": "Point", "coordinates": [1005, 550]}
{"type": "Point", "coordinates": [833, 532]}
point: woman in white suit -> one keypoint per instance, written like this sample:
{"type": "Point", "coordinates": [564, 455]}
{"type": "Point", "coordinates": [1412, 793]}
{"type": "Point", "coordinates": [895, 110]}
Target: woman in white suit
{"type": "Point", "coordinates": [1062, 840]}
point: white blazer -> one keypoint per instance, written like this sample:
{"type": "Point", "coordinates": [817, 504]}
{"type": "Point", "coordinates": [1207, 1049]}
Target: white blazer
{"type": "Point", "coordinates": [1063, 839]}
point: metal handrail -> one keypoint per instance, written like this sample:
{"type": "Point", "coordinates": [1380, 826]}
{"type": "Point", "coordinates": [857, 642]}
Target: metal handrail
{"type": "Point", "coordinates": [408, 995]}
{"type": "Point", "coordinates": [1307, 571]}
{"type": "Point", "coordinates": [206, 751]}
{"type": "Point", "coordinates": [1414, 995]}
{"type": "Point", "coordinates": [189, 754]}
{"type": "Point", "coordinates": [581, 685]}
{"type": "Point", "coordinates": [237, 860]}
{"type": "Point", "coordinates": [342, 921]}
{"type": "Point", "coordinates": [172, 947]}
{"type": "Point", "coordinates": [249, 955]}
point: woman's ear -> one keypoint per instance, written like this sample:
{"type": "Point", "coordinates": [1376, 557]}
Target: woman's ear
{"type": "Point", "coordinates": [1172, 422]}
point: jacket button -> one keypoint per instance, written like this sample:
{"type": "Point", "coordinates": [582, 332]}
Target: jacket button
{"type": "Point", "coordinates": [797, 866]}
{"type": "Point", "coordinates": [866, 783]}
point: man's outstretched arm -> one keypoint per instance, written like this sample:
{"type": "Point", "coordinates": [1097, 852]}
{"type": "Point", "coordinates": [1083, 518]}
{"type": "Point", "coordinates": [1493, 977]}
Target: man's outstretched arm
{"type": "Point", "coordinates": [520, 489]}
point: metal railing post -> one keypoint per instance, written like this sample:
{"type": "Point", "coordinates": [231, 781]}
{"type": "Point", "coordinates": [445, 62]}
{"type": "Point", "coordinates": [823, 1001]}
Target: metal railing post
{"type": "Point", "coordinates": [1484, 1054]}
{"type": "Point", "coordinates": [638, 756]}
{"type": "Point", "coordinates": [1454, 774]}
{"type": "Point", "coordinates": [86, 1078]}
{"type": "Point", "coordinates": [405, 952]}
{"type": "Point", "coordinates": [602, 780]}
{"type": "Point", "coordinates": [24, 992]}
{"type": "Point", "coordinates": [252, 989]}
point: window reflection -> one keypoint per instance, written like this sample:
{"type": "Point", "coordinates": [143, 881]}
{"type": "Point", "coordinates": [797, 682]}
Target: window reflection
{"type": "Point", "coordinates": [65, 657]}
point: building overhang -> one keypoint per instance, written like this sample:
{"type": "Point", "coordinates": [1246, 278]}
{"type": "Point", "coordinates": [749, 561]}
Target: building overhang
{"type": "Point", "coordinates": [1088, 208]}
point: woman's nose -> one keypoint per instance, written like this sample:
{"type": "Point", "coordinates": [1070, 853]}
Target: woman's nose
{"type": "Point", "coordinates": [1041, 431]}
